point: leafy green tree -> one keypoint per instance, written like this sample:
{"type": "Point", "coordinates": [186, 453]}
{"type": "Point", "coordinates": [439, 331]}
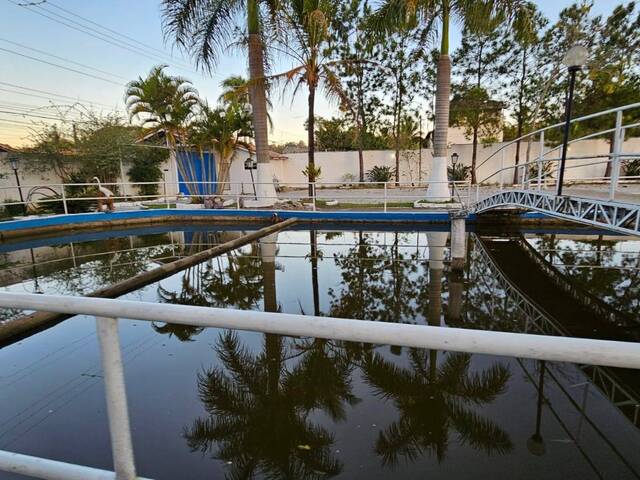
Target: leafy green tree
{"type": "Point", "coordinates": [479, 115]}
{"type": "Point", "coordinates": [394, 14]}
{"type": "Point", "coordinates": [222, 19]}
{"type": "Point", "coordinates": [400, 61]}
{"type": "Point", "coordinates": [334, 135]}
{"type": "Point", "coordinates": [355, 47]}
{"type": "Point", "coordinates": [521, 85]}
{"type": "Point", "coordinates": [478, 62]}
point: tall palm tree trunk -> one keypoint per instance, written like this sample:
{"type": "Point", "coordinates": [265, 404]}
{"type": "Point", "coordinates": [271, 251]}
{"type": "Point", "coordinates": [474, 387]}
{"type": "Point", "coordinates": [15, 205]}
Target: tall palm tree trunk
{"type": "Point", "coordinates": [258, 99]}
{"type": "Point", "coordinates": [440, 191]}
{"type": "Point", "coordinates": [311, 137]}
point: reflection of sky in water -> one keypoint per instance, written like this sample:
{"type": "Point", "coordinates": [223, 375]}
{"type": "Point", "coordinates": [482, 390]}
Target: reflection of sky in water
{"type": "Point", "coordinates": [51, 395]}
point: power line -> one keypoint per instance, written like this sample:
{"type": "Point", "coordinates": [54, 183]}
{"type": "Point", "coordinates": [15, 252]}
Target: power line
{"type": "Point", "coordinates": [110, 30]}
{"type": "Point", "coordinates": [42, 52]}
{"type": "Point", "coordinates": [35, 116]}
{"type": "Point", "coordinates": [59, 66]}
{"type": "Point", "coordinates": [126, 45]}
{"type": "Point", "coordinates": [77, 100]}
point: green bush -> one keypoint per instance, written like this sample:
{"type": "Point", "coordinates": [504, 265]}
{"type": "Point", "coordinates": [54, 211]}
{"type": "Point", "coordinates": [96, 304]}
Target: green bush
{"type": "Point", "coordinates": [381, 174]}
{"type": "Point", "coordinates": [458, 172]}
{"type": "Point", "coordinates": [12, 210]}
{"type": "Point", "coordinates": [313, 173]}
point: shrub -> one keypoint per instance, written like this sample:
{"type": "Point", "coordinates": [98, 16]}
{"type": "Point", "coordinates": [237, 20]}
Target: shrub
{"type": "Point", "coordinates": [313, 173]}
{"type": "Point", "coordinates": [458, 172]}
{"type": "Point", "coordinates": [381, 174]}
{"type": "Point", "coordinates": [12, 210]}
{"type": "Point", "coordinates": [632, 167]}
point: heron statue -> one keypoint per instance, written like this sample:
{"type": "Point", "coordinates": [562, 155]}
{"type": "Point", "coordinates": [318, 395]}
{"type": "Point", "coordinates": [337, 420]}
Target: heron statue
{"type": "Point", "coordinates": [105, 203]}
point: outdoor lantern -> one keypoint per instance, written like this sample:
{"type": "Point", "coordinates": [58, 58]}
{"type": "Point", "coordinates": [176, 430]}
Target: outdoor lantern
{"type": "Point", "coordinates": [250, 164]}
{"type": "Point", "coordinates": [454, 158]}
{"type": "Point", "coordinates": [13, 160]}
{"type": "Point", "coordinates": [574, 60]}
{"type": "Point", "coordinates": [576, 57]}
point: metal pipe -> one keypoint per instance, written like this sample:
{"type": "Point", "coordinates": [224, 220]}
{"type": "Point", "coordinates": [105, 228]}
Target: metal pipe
{"type": "Point", "coordinates": [115, 393]}
{"type": "Point", "coordinates": [28, 465]}
{"type": "Point", "coordinates": [541, 347]}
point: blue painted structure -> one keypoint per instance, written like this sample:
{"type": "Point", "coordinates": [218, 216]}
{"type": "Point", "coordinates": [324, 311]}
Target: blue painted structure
{"type": "Point", "coordinates": [200, 169]}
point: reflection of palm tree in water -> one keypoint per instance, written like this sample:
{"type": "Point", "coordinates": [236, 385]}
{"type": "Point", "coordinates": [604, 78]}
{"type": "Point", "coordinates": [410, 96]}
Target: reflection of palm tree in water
{"type": "Point", "coordinates": [258, 407]}
{"type": "Point", "coordinates": [210, 284]}
{"type": "Point", "coordinates": [433, 400]}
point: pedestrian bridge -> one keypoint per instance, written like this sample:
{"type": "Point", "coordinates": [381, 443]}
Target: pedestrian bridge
{"type": "Point", "coordinates": [533, 183]}
{"type": "Point", "coordinates": [609, 215]}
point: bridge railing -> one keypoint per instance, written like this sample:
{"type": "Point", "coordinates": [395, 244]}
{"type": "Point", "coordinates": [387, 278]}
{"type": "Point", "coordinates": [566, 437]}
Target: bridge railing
{"type": "Point", "coordinates": [542, 171]}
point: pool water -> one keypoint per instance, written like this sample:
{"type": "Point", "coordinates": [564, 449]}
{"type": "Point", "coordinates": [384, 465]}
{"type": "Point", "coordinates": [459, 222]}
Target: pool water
{"type": "Point", "coordinates": [209, 403]}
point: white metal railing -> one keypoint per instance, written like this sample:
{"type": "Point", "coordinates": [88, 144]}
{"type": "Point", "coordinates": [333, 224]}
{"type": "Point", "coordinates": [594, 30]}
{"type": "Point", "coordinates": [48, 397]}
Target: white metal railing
{"type": "Point", "coordinates": [382, 195]}
{"type": "Point", "coordinates": [108, 311]}
{"type": "Point", "coordinates": [542, 179]}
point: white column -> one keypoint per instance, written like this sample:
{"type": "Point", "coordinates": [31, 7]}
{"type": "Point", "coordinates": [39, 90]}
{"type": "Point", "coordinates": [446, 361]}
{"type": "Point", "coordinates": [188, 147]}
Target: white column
{"type": "Point", "coordinates": [458, 240]}
{"type": "Point", "coordinates": [265, 190]}
{"type": "Point", "coordinates": [438, 188]}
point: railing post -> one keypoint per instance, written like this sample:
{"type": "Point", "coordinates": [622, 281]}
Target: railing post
{"type": "Point", "coordinates": [238, 201]}
{"type": "Point", "coordinates": [385, 196]}
{"type": "Point", "coordinates": [116, 397]}
{"type": "Point", "coordinates": [618, 140]}
{"type": "Point", "coordinates": [64, 200]}
{"type": "Point", "coordinates": [502, 170]}
{"type": "Point", "coordinates": [540, 157]}
{"type": "Point", "coordinates": [313, 197]}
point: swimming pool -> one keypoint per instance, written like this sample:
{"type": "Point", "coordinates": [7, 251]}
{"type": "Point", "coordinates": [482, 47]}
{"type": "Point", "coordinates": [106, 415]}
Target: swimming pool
{"type": "Point", "coordinates": [207, 403]}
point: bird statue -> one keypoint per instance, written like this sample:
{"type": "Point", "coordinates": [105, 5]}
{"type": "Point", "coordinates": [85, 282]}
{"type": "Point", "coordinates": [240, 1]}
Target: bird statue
{"type": "Point", "coordinates": [105, 204]}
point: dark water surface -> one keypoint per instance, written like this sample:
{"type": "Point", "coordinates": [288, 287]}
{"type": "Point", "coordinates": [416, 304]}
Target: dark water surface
{"type": "Point", "coordinates": [208, 403]}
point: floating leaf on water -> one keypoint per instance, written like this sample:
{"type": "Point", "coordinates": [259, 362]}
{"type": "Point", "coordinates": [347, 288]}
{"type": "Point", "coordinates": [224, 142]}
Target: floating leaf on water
{"type": "Point", "coordinates": [304, 447]}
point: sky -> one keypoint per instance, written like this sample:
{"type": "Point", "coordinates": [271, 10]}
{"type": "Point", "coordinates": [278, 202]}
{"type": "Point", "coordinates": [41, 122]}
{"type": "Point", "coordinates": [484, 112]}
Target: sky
{"type": "Point", "coordinates": [40, 31]}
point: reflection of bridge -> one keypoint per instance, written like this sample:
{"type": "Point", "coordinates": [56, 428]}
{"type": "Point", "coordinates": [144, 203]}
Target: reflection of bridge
{"type": "Point", "coordinates": [531, 178]}
{"type": "Point", "coordinates": [544, 313]}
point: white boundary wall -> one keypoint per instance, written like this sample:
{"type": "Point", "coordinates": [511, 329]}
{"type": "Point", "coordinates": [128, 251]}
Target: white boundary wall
{"type": "Point", "coordinates": [336, 164]}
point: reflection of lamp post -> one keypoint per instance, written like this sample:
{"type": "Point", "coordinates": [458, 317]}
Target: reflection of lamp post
{"type": "Point", "coordinates": [14, 165]}
{"type": "Point", "coordinates": [574, 59]}
{"type": "Point", "coordinates": [251, 165]}
{"type": "Point", "coordinates": [454, 161]}
{"type": "Point", "coordinates": [535, 443]}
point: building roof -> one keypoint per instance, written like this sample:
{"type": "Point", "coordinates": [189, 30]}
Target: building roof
{"type": "Point", "coordinates": [6, 148]}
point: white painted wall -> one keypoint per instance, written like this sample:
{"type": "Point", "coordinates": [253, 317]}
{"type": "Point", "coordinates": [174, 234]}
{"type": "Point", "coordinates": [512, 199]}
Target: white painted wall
{"type": "Point", "coordinates": [335, 165]}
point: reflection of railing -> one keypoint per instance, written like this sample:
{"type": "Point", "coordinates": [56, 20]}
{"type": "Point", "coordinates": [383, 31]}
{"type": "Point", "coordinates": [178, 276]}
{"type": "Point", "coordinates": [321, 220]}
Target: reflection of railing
{"type": "Point", "coordinates": [578, 294]}
{"type": "Point", "coordinates": [538, 321]}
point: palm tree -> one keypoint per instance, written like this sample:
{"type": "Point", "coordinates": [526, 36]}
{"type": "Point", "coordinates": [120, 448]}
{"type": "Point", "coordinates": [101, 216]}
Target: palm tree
{"type": "Point", "coordinates": [433, 400]}
{"type": "Point", "coordinates": [222, 129]}
{"type": "Point", "coordinates": [395, 14]}
{"type": "Point", "coordinates": [308, 22]}
{"type": "Point", "coordinates": [164, 104]}
{"type": "Point", "coordinates": [205, 28]}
